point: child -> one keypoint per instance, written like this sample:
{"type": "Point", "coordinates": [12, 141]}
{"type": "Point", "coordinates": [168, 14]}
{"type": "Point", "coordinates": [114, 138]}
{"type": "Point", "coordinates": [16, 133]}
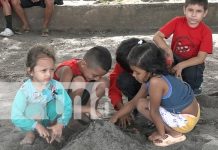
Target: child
{"type": "Point", "coordinates": [121, 79]}
{"type": "Point", "coordinates": [171, 105]}
{"type": "Point", "coordinates": [79, 74]}
{"type": "Point", "coordinates": [8, 18]}
{"type": "Point", "coordinates": [191, 42]}
{"type": "Point", "coordinates": [41, 104]}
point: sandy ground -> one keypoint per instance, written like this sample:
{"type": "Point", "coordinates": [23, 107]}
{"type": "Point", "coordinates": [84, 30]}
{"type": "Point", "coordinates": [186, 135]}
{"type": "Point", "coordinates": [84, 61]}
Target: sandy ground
{"type": "Point", "coordinates": [97, 135]}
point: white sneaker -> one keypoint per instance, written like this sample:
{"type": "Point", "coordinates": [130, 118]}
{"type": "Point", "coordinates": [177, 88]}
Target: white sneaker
{"type": "Point", "coordinates": [7, 32]}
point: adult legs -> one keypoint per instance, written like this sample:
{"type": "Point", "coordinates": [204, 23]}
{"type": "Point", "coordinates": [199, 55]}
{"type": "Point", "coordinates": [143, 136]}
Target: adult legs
{"type": "Point", "coordinates": [8, 18]}
{"type": "Point", "coordinates": [21, 13]}
{"type": "Point", "coordinates": [49, 8]}
{"type": "Point", "coordinates": [7, 13]}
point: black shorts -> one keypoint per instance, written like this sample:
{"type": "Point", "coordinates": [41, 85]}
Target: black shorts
{"type": "Point", "coordinates": [41, 3]}
{"type": "Point", "coordinates": [29, 3]}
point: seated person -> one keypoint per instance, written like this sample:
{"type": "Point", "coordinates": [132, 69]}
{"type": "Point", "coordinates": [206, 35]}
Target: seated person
{"type": "Point", "coordinates": [41, 104]}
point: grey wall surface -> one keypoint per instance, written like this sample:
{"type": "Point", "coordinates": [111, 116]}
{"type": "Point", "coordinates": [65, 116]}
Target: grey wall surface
{"type": "Point", "coordinates": [111, 18]}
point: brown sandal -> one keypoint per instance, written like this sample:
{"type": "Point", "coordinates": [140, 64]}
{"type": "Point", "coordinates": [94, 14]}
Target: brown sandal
{"type": "Point", "coordinates": [22, 30]}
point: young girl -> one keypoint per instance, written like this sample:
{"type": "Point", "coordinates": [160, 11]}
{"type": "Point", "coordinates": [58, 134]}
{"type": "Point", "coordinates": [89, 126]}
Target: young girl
{"type": "Point", "coordinates": [41, 104]}
{"type": "Point", "coordinates": [171, 104]}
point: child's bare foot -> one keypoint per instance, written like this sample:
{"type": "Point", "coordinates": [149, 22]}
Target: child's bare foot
{"type": "Point", "coordinates": [151, 137]}
{"type": "Point", "coordinates": [28, 139]}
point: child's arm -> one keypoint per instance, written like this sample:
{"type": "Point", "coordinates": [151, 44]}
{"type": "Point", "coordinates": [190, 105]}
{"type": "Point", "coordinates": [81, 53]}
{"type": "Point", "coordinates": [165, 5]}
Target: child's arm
{"type": "Point", "coordinates": [114, 92]}
{"type": "Point", "coordinates": [17, 113]}
{"type": "Point", "coordinates": [65, 75]}
{"type": "Point", "coordinates": [156, 92]}
{"type": "Point", "coordinates": [159, 39]}
{"type": "Point", "coordinates": [66, 102]}
{"type": "Point", "coordinates": [199, 59]}
{"type": "Point", "coordinates": [127, 108]}
{"type": "Point", "coordinates": [65, 109]}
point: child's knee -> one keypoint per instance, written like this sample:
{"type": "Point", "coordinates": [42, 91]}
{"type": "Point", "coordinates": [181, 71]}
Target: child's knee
{"type": "Point", "coordinates": [78, 84]}
{"type": "Point", "coordinates": [15, 2]}
{"type": "Point", "coordinates": [103, 83]}
{"type": "Point", "coordinates": [78, 79]}
{"type": "Point", "coordinates": [142, 104]}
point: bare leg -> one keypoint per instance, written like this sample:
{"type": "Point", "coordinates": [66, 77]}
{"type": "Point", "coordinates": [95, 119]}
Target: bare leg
{"type": "Point", "coordinates": [143, 108]}
{"type": "Point", "coordinates": [48, 13]}
{"type": "Point", "coordinates": [6, 7]}
{"type": "Point", "coordinates": [28, 139]}
{"type": "Point", "coordinates": [98, 91]}
{"type": "Point", "coordinates": [21, 14]}
{"type": "Point", "coordinates": [77, 87]}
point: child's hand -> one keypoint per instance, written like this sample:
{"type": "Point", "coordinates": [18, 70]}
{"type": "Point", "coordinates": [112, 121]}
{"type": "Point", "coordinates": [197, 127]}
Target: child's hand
{"type": "Point", "coordinates": [94, 114]}
{"type": "Point", "coordinates": [169, 57]}
{"type": "Point", "coordinates": [43, 132]}
{"type": "Point", "coordinates": [178, 69]}
{"type": "Point", "coordinates": [56, 131]}
{"type": "Point", "coordinates": [113, 119]}
{"type": "Point", "coordinates": [125, 120]}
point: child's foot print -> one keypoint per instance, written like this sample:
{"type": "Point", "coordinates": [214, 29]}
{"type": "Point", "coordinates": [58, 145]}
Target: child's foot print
{"type": "Point", "coordinates": [28, 139]}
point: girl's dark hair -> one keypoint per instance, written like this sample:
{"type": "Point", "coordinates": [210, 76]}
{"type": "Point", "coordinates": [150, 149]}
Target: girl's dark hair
{"type": "Point", "coordinates": [148, 57]}
{"type": "Point", "coordinates": [37, 52]}
{"type": "Point", "coordinates": [123, 50]}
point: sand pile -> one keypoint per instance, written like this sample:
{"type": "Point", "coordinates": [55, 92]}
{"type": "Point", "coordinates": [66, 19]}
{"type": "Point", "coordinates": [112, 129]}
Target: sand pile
{"type": "Point", "coordinates": [102, 135]}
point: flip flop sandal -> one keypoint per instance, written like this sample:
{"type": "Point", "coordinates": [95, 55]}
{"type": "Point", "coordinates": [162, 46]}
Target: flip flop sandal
{"type": "Point", "coordinates": [170, 140]}
{"type": "Point", "coordinates": [21, 31]}
{"type": "Point", "coordinates": [45, 32]}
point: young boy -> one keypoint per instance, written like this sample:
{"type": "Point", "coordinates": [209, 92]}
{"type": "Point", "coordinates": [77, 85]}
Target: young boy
{"type": "Point", "coordinates": [78, 75]}
{"type": "Point", "coordinates": [8, 18]}
{"type": "Point", "coordinates": [191, 42]}
{"type": "Point", "coordinates": [121, 79]}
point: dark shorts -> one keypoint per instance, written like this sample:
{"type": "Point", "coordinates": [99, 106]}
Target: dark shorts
{"type": "Point", "coordinates": [41, 3]}
{"type": "Point", "coordinates": [86, 93]}
{"type": "Point", "coordinates": [29, 3]}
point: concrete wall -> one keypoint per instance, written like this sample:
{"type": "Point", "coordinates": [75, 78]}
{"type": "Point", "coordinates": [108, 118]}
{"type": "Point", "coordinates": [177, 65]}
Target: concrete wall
{"type": "Point", "coordinates": [112, 18]}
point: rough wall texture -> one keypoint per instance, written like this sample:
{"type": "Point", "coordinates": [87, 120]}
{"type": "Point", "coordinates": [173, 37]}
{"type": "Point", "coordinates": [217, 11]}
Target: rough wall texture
{"type": "Point", "coordinates": [113, 18]}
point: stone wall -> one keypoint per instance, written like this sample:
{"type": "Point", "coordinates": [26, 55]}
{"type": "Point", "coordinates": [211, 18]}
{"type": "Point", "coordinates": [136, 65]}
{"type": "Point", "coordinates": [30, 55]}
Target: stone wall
{"type": "Point", "coordinates": [112, 18]}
